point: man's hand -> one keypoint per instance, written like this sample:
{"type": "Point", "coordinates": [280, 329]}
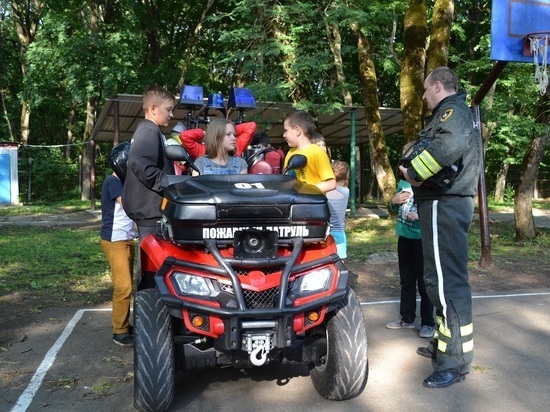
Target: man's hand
{"type": "Point", "coordinates": [407, 178]}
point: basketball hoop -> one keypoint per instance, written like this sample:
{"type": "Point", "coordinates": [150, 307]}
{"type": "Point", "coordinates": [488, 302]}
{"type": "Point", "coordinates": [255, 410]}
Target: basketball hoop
{"type": "Point", "coordinates": [536, 45]}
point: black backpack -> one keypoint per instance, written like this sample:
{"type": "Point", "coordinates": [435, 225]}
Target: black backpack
{"type": "Point", "coordinates": [118, 159]}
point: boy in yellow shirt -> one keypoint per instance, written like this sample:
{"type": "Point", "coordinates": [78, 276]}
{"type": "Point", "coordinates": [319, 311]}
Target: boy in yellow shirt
{"type": "Point", "coordinates": [299, 127]}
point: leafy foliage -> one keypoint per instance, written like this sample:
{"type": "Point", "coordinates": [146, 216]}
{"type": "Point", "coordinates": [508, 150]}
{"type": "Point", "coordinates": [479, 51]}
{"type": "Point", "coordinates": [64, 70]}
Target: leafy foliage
{"type": "Point", "coordinates": [52, 176]}
{"type": "Point", "coordinates": [86, 52]}
{"type": "Point", "coordinates": [511, 120]}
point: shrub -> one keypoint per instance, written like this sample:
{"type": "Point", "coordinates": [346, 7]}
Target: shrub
{"type": "Point", "coordinates": [52, 177]}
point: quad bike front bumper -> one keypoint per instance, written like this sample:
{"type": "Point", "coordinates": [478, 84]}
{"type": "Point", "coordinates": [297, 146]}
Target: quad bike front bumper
{"type": "Point", "coordinates": [252, 305]}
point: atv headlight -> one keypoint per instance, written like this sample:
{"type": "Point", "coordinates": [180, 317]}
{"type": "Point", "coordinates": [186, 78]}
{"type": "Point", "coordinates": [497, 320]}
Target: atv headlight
{"type": "Point", "coordinates": [315, 281]}
{"type": "Point", "coordinates": [192, 285]}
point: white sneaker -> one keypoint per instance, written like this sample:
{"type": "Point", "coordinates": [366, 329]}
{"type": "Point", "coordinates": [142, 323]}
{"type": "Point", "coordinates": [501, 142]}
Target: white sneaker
{"type": "Point", "coordinates": [426, 331]}
{"type": "Point", "coordinates": [399, 324]}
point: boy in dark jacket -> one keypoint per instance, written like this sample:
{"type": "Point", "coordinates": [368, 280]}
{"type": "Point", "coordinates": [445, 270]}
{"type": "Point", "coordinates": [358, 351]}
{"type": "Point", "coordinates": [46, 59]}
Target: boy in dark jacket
{"type": "Point", "coordinates": [146, 162]}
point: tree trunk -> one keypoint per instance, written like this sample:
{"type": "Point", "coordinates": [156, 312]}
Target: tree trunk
{"type": "Point", "coordinates": [150, 23]}
{"type": "Point", "coordinates": [88, 170]}
{"type": "Point", "coordinates": [373, 191]}
{"type": "Point", "coordinates": [25, 122]}
{"type": "Point", "coordinates": [500, 185]}
{"type": "Point", "coordinates": [190, 43]}
{"type": "Point", "coordinates": [523, 209]}
{"type": "Point", "coordinates": [26, 16]}
{"type": "Point", "coordinates": [438, 49]}
{"type": "Point", "coordinates": [70, 135]}
{"type": "Point", "coordinates": [335, 42]}
{"type": "Point", "coordinates": [412, 69]}
{"type": "Point", "coordinates": [6, 115]}
{"type": "Point", "coordinates": [377, 142]}
{"type": "Point", "coordinates": [87, 192]}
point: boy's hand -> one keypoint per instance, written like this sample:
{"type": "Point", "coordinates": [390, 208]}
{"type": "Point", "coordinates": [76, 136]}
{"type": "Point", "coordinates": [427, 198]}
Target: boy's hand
{"type": "Point", "coordinates": [401, 198]}
{"type": "Point", "coordinates": [412, 216]}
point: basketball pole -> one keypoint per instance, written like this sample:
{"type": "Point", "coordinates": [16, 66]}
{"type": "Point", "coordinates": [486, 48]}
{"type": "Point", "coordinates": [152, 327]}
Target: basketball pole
{"type": "Point", "coordinates": [485, 259]}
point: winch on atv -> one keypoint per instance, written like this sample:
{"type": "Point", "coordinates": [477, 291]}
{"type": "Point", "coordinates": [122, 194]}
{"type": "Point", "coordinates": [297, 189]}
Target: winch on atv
{"type": "Point", "coordinates": [243, 272]}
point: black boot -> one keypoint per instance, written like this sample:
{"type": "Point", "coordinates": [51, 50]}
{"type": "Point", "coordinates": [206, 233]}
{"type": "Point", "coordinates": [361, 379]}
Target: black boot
{"type": "Point", "coordinates": [442, 379]}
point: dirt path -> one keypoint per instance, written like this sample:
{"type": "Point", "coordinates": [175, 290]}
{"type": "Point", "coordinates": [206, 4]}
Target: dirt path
{"type": "Point", "coordinates": [92, 219]}
{"type": "Point", "coordinates": [86, 219]}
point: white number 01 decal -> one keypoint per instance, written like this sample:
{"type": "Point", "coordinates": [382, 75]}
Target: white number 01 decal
{"type": "Point", "coordinates": [249, 186]}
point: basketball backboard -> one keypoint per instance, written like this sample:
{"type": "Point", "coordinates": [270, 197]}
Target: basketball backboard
{"type": "Point", "coordinates": [511, 22]}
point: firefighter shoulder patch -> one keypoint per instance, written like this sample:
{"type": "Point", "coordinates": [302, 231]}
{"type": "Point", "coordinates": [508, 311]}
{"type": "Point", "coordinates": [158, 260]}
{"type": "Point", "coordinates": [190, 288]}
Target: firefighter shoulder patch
{"type": "Point", "coordinates": [446, 116]}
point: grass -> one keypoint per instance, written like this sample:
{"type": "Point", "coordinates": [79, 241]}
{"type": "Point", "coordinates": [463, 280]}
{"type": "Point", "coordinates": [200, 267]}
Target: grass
{"type": "Point", "coordinates": [64, 267]}
{"type": "Point", "coordinates": [103, 387]}
{"type": "Point", "coordinates": [506, 248]}
{"type": "Point", "coordinates": [369, 236]}
{"type": "Point", "coordinates": [542, 204]}
{"type": "Point", "coordinates": [61, 265]}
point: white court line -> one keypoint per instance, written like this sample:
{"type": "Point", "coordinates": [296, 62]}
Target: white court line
{"type": "Point", "coordinates": [511, 295]}
{"type": "Point", "coordinates": [36, 381]}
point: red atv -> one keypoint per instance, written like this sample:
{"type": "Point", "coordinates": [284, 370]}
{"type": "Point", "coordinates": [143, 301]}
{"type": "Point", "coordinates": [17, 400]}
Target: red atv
{"type": "Point", "coordinates": [243, 273]}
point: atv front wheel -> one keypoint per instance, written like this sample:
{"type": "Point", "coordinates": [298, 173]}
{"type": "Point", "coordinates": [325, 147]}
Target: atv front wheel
{"type": "Point", "coordinates": [154, 361]}
{"type": "Point", "coordinates": [343, 371]}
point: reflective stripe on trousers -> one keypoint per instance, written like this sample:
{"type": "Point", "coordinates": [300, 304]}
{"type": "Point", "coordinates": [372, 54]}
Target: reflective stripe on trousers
{"type": "Point", "coordinates": [445, 224]}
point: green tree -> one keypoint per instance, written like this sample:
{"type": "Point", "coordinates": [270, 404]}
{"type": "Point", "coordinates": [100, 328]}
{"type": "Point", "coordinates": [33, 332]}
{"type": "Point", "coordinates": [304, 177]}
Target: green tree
{"type": "Point", "coordinates": [440, 34]}
{"type": "Point", "coordinates": [26, 15]}
{"type": "Point", "coordinates": [10, 82]}
{"type": "Point", "coordinates": [412, 69]}
{"type": "Point", "coordinates": [523, 210]}
{"type": "Point", "coordinates": [59, 60]}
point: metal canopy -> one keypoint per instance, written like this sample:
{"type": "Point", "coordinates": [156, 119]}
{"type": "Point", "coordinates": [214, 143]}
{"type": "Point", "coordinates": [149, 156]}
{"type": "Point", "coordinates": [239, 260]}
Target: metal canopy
{"type": "Point", "coordinates": [335, 126]}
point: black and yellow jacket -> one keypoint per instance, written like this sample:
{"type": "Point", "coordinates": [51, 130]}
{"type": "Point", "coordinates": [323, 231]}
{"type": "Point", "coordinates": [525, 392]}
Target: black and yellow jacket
{"type": "Point", "coordinates": [454, 139]}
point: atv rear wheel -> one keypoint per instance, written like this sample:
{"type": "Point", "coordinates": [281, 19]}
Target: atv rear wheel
{"type": "Point", "coordinates": [154, 361]}
{"type": "Point", "coordinates": [343, 371]}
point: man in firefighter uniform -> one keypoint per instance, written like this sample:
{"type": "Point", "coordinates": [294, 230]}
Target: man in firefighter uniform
{"type": "Point", "coordinates": [444, 174]}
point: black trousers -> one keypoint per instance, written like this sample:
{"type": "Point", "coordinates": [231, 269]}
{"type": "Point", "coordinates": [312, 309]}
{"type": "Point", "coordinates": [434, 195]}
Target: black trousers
{"type": "Point", "coordinates": [411, 274]}
{"type": "Point", "coordinates": [445, 224]}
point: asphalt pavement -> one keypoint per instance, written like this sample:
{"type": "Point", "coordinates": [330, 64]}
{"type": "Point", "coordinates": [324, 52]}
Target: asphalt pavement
{"type": "Point", "coordinates": [64, 365]}
{"type": "Point", "coordinates": [66, 361]}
